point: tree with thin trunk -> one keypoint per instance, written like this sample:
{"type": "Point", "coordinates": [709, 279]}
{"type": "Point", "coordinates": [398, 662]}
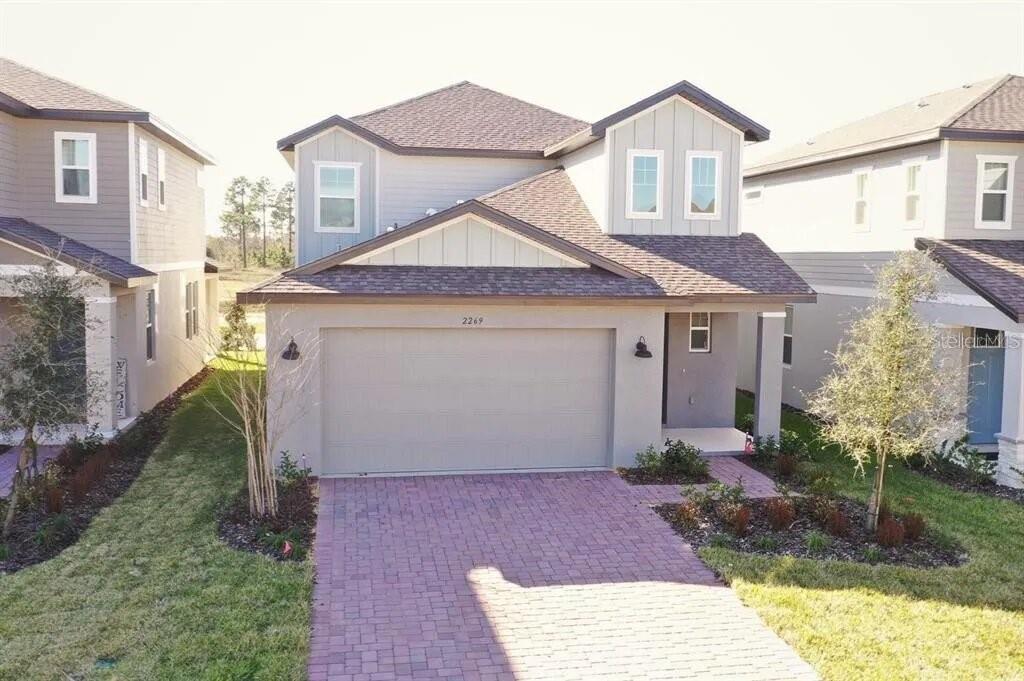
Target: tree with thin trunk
{"type": "Point", "coordinates": [238, 218]}
{"type": "Point", "coordinates": [893, 392]}
{"type": "Point", "coordinates": [44, 380]}
{"type": "Point", "coordinates": [262, 197]}
{"type": "Point", "coordinates": [282, 215]}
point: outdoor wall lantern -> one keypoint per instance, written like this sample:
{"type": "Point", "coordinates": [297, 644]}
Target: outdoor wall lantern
{"type": "Point", "coordinates": [641, 349]}
{"type": "Point", "coordinates": [292, 351]}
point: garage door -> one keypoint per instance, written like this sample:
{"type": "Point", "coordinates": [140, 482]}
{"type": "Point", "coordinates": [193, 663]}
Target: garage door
{"type": "Point", "coordinates": [406, 400]}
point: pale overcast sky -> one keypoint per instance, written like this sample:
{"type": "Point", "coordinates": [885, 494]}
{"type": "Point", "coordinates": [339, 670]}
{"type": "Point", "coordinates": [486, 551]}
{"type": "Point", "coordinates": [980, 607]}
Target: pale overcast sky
{"type": "Point", "coordinates": [235, 77]}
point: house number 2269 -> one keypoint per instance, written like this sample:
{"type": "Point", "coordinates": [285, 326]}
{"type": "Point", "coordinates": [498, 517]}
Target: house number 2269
{"type": "Point", "coordinates": [472, 321]}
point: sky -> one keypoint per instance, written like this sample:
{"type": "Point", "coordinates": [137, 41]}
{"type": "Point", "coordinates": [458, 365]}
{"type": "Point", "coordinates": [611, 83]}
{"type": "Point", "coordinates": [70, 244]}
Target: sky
{"type": "Point", "coordinates": [236, 76]}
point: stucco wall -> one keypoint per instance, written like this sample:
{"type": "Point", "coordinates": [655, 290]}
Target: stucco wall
{"type": "Point", "coordinates": [701, 387]}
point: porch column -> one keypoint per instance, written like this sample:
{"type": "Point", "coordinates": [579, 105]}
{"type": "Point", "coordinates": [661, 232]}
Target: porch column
{"type": "Point", "coordinates": [101, 313]}
{"type": "Point", "coordinates": [768, 374]}
{"type": "Point", "coordinates": [1011, 433]}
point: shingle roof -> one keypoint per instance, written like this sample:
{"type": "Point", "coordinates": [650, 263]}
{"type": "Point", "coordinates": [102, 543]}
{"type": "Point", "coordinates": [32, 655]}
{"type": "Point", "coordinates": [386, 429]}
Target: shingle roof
{"type": "Point", "coordinates": [50, 244]}
{"type": "Point", "coordinates": [992, 268]}
{"type": "Point", "coordinates": [41, 91]}
{"type": "Point", "coordinates": [676, 266]}
{"type": "Point", "coordinates": [926, 118]}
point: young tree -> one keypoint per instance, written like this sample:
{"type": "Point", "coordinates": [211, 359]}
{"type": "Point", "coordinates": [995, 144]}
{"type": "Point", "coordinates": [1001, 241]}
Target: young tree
{"type": "Point", "coordinates": [239, 218]}
{"type": "Point", "coordinates": [283, 215]}
{"type": "Point", "coordinates": [262, 199]}
{"type": "Point", "coordinates": [892, 392]}
{"type": "Point", "coordinates": [44, 380]}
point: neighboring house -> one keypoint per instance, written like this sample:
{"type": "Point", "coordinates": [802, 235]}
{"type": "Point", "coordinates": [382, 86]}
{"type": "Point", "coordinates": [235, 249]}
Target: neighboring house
{"type": "Point", "coordinates": [484, 284]}
{"type": "Point", "coordinates": [103, 186]}
{"type": "Point", "coordinates": [941, 174]}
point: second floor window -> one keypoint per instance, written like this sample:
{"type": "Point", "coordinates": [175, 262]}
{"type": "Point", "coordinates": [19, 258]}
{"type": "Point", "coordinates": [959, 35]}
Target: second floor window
{"type": "Point", "coordinates": [161, 179]}
{"type": "Point", "coordinates": [337, 192]}
{"type": "Point", "coordinates": [995, 196]}
{"type": "Point", "coordinates": [861, 195]}
{"type": "Point", "coordinates": [644, 184]}
{"type": "Point", "coordinates": [143, 173]}
{"type": "Point", "coordinates": [703, 185]}
{"type": "Point", "coordinates": [74, 156]}
{"type": "Point", "coordinates": [912, 202]}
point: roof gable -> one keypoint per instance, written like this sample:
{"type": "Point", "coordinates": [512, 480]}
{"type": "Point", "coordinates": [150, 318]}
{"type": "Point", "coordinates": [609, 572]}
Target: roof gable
{"type": "Point", "coordinates": [992, 268]}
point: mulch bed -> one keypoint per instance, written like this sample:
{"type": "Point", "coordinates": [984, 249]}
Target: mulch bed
{"type": "Point", "coordinates": [637, 476]}
{"type": "Point", "coordinates": [131, 450]}
{"type": "Point", "coordinates": [925, 552]}
{"type": "Point", "coordinates": [296, 518]}
{"type": "Point", "coordinates": [960, 484]}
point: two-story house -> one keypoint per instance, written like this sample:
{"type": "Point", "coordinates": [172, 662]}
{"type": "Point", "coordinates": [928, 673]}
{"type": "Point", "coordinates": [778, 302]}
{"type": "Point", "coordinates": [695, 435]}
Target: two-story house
{"type": "Point", "coordinates": [484, 285]}
{"type": "Point", "coordinates": [106, 188]}
{"type": "Point", "coordinates": [940, 174]}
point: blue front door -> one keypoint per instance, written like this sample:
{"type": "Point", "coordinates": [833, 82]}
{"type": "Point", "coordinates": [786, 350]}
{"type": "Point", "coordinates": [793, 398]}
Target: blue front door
{"type": "Point", "coordinates": [985, 378]}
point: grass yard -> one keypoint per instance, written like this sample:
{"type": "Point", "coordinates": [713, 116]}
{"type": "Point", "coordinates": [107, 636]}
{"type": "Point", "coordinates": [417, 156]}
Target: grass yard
{"type": "Point", "coordinates": [149, 586]}
{"type": "Point", "coordinates": [854, 621]}
{"type": "Point", "coordinates": [231, 281]}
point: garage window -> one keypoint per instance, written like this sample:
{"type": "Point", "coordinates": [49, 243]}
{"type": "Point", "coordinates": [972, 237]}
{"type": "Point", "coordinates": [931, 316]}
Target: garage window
{"type": "Point", "coordinates": [700, 332]}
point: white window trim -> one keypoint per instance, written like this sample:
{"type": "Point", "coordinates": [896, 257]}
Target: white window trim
{"type": "Point", "coordinates": [317, 165]}
{"type": "Point", "coordinates": [790, 310]}
{"type": "Point", "coordinates": [687, 213]}
{"type": "Point", "coordinates": [760, 196]}
{"type": "Point", "coordinates": [1007, 222]}
{"type": "Point", "coordinates": [161, 179]}
{"type": "Point", "coordinates": [143, 172]}
{"type": "Point", "coordinates": [58, 167]}
{"type": "Point", "coordinates": [855, 173]}
{"type": "Point", "coordinates": [153, 323]}
{"type": "Point", "coordinates": [694, 327]}
{"type": "Point", "coordinates": [659, 156]}
{"type": "Point", "coordinates": [920, 163]}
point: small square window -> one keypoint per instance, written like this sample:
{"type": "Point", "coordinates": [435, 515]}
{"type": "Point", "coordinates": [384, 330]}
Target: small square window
{"type": "Point", "coordinates": [700, 332]}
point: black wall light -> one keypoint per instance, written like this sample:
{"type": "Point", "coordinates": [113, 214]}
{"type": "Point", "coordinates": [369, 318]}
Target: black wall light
{"type": "Point", "coordinates": [292, 351]}
{"type": "Point", "coordinates": [641, 349]}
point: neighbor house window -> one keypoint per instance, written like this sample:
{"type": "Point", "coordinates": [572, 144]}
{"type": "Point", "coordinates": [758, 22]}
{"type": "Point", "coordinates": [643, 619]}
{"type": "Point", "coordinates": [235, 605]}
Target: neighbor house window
{"type": "Point", "coordinates": [644, 184]}
{"type": "Point", "coordinates": [191, 311]}
{"type": "Point", "coordinates": [161, 179]}
{"type": "Point", "coordinates": [143, 173]}
{"type": "Point", "coordinates": [700, 332]}
{"type": "Point", "coordinates": [337, 192]}
{"type": "Point", "coordinates": [195, 308]}
{"type": "Point", "coordinates": [787, 338]}
{"type": "Point", "coordinates": [912, 208]}
{"type": "Point", "coordinates": [861, 196]}
{"type": "Point", "coordinates": [150, 324]}
{"type": "Point", "coordinates": [703, 185]}
{"type": "Point", "coordinates": [74, 160]}
{"type": "Point", "coordinates": [994, 208]}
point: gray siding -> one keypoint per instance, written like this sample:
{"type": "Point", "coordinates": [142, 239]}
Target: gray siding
{"type": "Point", "coordinates": [177, 234]}
{"type": "Point", "coordinates": [333, 146]}
{"type": "Point", "coordinates": [675, 129]}
{"type": "Point", "coordinates": [962, 191]}
{"type": "Point", "coordinates": [8, 165]}
{"type": "Point", "coordinates": [701, 386]}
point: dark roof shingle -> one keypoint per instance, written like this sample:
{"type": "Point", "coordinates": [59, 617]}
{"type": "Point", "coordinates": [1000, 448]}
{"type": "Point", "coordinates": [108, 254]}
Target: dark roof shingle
{"type": "Point", "coordinates": [41, 91]}
{"type": "Point", "coordinates": [992, 268]}
{"type": "Point", "coordinates": [1002, 109]}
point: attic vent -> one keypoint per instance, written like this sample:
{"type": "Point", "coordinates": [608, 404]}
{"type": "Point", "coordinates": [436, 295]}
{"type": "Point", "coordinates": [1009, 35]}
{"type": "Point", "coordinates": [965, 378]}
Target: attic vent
{"type": "Point", "coordinates": [430, 211]}
{"type": "Point", "coordinates": [810, 142]}
{"type": "Point", "coordinates": [922, 104]}
{"type": "Point", "coordinates": [967, 86]}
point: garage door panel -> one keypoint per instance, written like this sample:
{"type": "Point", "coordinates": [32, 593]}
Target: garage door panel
{"type": "Point", "coordinates": [456, 399]}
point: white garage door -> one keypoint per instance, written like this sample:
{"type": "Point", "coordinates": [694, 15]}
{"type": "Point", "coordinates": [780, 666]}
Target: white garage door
{"type": "Point", "coordinates": [465, 399]}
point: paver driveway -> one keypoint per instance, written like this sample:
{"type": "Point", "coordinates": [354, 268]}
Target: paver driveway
{"type": "Point", "coordinates": [532, 576]}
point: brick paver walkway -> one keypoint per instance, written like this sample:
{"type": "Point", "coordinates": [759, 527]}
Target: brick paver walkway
{"type": "Point", "coordinates": [521, 577]}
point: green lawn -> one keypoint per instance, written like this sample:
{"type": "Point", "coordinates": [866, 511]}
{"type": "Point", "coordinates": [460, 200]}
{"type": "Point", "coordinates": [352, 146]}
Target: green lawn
{"type": "Point", "coordinates": [150, 586]}
{"type": "Point", "coordinates": [231, 281]}
{"type": "Point", "coordinates": [854, 621]}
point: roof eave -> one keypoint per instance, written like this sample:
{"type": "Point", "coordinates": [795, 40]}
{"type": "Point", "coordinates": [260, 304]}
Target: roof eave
{"type": "Point", "coordinates": [257, 297]}
{"type": "Point", "coordinates": [926, 245]}
{"type": "Point", "coordinates": [910, 140]}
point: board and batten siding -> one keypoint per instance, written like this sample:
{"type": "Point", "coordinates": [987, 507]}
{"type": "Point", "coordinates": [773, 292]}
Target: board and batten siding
{"type": "Point", "coordinates": [177, 234]}
{"type": "Point", "coordinates": [962, 193]}
{"type": "Point", "coordinates": [8, 165]}
{"type": "Point", "coordinates": [339, 146]}
{"type": "Point", "coordinates": [675, 128]}
{"type": "Point", "coordinates": [467, 242]}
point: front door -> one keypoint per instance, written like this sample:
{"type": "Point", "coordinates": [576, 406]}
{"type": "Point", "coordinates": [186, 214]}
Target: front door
{"type": "Point", "coordinates": [985, 380]}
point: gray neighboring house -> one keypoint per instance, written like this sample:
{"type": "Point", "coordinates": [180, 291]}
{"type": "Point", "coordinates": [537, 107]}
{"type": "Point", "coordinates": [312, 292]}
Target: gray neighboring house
{"type": "Point", "coordinates": [487, 285]}
{"type": "Point", "coordinates": [938, 173]}
{"type": "Point", "coordinates": [106, 187]}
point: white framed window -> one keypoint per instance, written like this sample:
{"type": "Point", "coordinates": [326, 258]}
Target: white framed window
{"type": "Point", "coordinates": [337, 195]}
{"type": "Point", "coordinates": [913, 206]}
{"type": "Point", "coordinates": [862, 199]}
{"type": "Point", "coordinates": [195, 308]}
{"type": "Point", "coordinates": [703, 185]}
{"type": "Point", "coordinates": [151, 324]}
{"type": "Point", "coordinates": [700, 332]}
{"type": "Point", "coordinates": [753, 194]}
{"type": "Point", "coordinates": [787, 338]}
{"type": "Point", "coordinates": [643, 184]}
{"type": "Point", "coordinates": [994, 209]}
{"type": "Point", "coordinates": [191, 309]}
{"type": "Point", "coordinates": [161, 179]}
{"type": "Point", "coordinates": [143, 173]}
{"type": "Point", "coordinates": [74, 162]}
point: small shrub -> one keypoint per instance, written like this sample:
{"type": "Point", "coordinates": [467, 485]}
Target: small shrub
{"type": "Point", "coordinates": [734, 494]}
{"type": "Point", "coordinates": [791, 444]}
{"type": "Point", "coordinates": [837, 523]}
{"type": "Point", "coordinates": [688, 514]}
{"type": "Point", "coordinates": [682, 458]}
{"type": "Point", "coordinates": [649, 460]}
{"type": "Point", "coordinates": [78, 449]}
{"type": "Point", "coordinates": [720, 541]}
{"type": "Point", "coordinates": [785, 464]}
{"type": "Point", "coordinates": [781, 513]}
{"type": "Point", "coordinates": [289, 472]}
{"type": "Point", "coordinates": [746, 424]}
{"type": "Point", "coordinates": [958, 458]}
{"type": "Point", "coordinates": [737, 517]}
{"type": "Point", "coordinates": [765, 449]}
{"type": "Point", "coordinates": [873, 554]}
{"type": "Point", "coordinates": [884, 512]}
{"type": "Point", "coordinates": [823, 486]}
{"type": "Point", "coordinates": [890, 532]}
{"type": "Point", "coordinates": [913, 526]}
{"type": "Point", "coordinates": [280, 541]}
{"type": "Point", "coordinates": [817, 542]}
{"type": "Point", "coordinates": [766, 543]}
{"type": "Point", "coordinates": [54, 530]}
{"type": "Point", "coordinates": [54, 500]}
{"type": "Point", "coordinates": [701, 499]}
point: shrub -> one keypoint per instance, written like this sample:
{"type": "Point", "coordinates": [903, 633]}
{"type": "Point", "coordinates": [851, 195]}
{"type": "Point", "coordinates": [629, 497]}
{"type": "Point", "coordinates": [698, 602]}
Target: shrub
{"type": "Point", "coordinates": [746, 424]}
{"type": "Point", "coordinates": [78, 449]}
{"type": "Point", "coordinates": [958, 458]}
{"type": "Point", "coordinates": [817, 542]}
{"type": "Point", "coordinates": [688, 514]}
{"type": "Point", "coordinates": [873, 554]}
{"type": "Point", "coordinates": [913, 526]}
{"type": "Point", "coordinates": [279, 541]}
{"type": "Point", "coordinates": [649, 460]}
{"type": "Point", "coordinates": [720, 492]}
{"type": "Point", "coordinates": [54, 500]}
{"type": "Point", "coordinates": [701, 499]}
{"type": "Point", "coordinates": [791, 444]}
{"type": "Point", "coordinates": [781, 513]}
{"type": "Point", "coordinates": [785, 464]}
{"type": "Point", "coordinates": [766, 543]}
{"type": "Point", "coordinates": [890, 532]}
{"type": "Point", "coordinates": [837, 523]}
{"type": "Point", "coordinates": [719, 541]}
{"type": "Point", "coordinates": [54, 530]}
{"type": "Point", "coordinates": [765, 449]}
{"type": "Point", "coordinates": [737, 517]}
{"type": "Point", "coordinates": [289, 472]}
{"type": "Point", "coordinates": [823, 485]}
{"type": "Point", "coordinates": [884, 512]}
{"type": "Point", "coordinates": [684, 459]}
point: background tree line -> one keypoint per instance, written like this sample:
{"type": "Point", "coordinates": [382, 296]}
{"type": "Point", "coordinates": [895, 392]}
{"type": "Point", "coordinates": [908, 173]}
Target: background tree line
{"type": "Point", "coordinates": [258, 223]}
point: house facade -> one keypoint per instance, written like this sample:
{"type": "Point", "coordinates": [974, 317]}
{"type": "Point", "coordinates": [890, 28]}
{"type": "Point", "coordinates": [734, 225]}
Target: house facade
{"type": "Point", "coordinates": [941, 174]}
{"type": "Point", "coordinates": [108, 190]}
{"type": "Point", "coordinates": [485, 285]}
